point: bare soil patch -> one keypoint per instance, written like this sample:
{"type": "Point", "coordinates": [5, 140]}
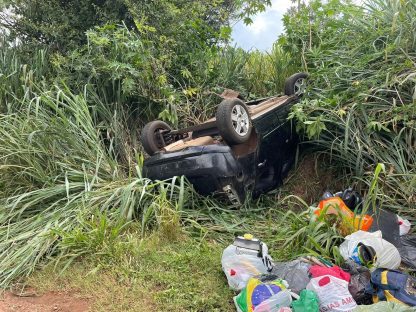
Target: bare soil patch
{"type": "Point", "coordinates": [49, 302]}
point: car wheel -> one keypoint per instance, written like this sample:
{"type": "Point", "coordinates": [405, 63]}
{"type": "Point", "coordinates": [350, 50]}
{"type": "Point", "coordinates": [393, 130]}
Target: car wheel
{"type": "Point", "coordinates": [296, 84]}
{"type": "Point", "coordinates": [151, 140]}
{"type": "Point", "coordinates": [233, 121]}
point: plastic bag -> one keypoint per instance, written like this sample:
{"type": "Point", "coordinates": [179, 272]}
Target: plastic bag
{"type": "Point", "coordinates": [240, 264]}
{"type": "Point", "coordinates": [275, 302]}
{"type": "Point", "coordinates": [386, 222]}
{"type": "Point", "coordinates": [308, 302]}
{"type": "Point", "coordinates": [408, 250]}
{"type": "Point", "coordinates": [317, 271]}
{"type": "Point", "coordinates": [347, 221]}
{"type": "Point", "coordinates": [360, 278]}
{"type": "Point", "coordinates": [404, 225]}
{"type": "Point", "coordinates": [296, 273]}
{"type": "Point", "coordinates": [387, 256]}
{"type": "Point", "coordinates": [265, 293]}
{"type": "Point", "coordinates": [384, 307]}
{"type": "Point", "coordinates": [332, 293]}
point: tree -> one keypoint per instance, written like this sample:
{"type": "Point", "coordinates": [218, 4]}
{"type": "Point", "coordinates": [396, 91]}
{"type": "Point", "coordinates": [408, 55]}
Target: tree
{"type": "Point", "coordinates": [62, 24]}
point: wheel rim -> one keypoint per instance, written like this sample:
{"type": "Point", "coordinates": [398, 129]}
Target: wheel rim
{"type": "Point", "coordinates": [300, 86]}
{"type": "Point", "coordinates": [240, 119]}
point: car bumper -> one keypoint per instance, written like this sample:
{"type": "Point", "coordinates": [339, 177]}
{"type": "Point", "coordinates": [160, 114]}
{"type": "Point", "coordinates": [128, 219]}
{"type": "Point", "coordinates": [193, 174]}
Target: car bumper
{"type": "Point", "coordinates": [209, 168]}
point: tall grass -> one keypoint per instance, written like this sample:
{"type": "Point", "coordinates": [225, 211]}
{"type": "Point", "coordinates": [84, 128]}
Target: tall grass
{"type": "Point", "coordinates": [17, 78]}
{"type": "Point", "coordinates": [56, 170]}
{"type": "Point", "coordinates": [266, 72]}
{"type": "Point", "coordinates": [253, 74]}
{"type": "Point", "coordinates": [364, 106]}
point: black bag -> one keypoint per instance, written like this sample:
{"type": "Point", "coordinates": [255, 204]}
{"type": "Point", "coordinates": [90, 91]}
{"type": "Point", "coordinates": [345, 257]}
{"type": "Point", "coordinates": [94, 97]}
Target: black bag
{"type": "Point", "coordinates": [407, 250]}
{"type": "Point", "coordinates": [360, 279]}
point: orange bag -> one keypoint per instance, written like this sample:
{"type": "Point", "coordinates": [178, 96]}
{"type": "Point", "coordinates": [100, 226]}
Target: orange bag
{"type": "Point", "coordinates": [350, 222]}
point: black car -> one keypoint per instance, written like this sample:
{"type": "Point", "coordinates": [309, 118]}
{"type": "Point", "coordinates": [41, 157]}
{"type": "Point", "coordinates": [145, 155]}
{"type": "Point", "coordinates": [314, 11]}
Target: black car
{"type": "Point", "coordinates": [248, 148]}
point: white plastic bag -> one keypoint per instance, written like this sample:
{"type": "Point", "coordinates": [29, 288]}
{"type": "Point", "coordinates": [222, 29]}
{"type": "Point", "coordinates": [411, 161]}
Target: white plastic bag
{"type": "Point", "coordinates": [240, 267]}
{"type": "Point", "coordinates": [332, 293]}
{"type": "Point", "coordinates": [388, 256]}
{"type": "Point", "coordinates": [404, 225]}
{"type": "Point", "coordinates": [240, 264]}
{"type": "Point", "coordinates": [275, 302]}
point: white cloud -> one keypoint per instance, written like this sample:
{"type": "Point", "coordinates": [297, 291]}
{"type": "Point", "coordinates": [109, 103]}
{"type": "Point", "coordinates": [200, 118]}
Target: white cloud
{"type": "Point", "coordinates": [264, 30]}
{"type": "Point", "coordinates": [266, 21]}
{"type": "Point", "coordinates": [260, 24]}
{"type": "Point", "coordinates": [281, 5]}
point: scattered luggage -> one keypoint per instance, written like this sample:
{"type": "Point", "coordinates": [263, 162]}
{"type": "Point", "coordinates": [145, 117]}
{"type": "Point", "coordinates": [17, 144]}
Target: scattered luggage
{"type": "Point", "coordinates": [367, 281]}
{"type": "Point", "coordinates": [393, 228]}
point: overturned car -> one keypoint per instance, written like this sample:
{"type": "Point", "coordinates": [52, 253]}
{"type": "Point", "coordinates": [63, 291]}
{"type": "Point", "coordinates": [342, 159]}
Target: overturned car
{"type": "Point", "coordinates": [248, 148]}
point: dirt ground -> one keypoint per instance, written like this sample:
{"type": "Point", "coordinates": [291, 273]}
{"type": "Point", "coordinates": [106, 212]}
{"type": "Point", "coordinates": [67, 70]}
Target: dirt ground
{"type": "Point", "coordinates": [311, 178]}
{"type": "Point", "coordinates": [48, 302]}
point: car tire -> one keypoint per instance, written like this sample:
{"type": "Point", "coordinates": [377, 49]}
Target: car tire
{"type": "Point", "coordinates": [151, 143]}
{"type": "Point", "coordinates": [234, 121]}
{"type": "Point", "coordinates": [296, 84]}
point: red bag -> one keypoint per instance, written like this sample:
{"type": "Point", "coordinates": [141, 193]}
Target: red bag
{"type": "Point", "coordinates": [336, 271]}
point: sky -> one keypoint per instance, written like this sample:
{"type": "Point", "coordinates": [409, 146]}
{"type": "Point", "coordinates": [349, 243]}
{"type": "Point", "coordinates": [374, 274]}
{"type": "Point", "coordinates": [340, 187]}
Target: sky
{"type": "Point", "coordinates": [264, 31]}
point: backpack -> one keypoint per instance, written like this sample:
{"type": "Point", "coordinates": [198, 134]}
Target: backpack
{"type": "Point", "coordinates": [392, 285]}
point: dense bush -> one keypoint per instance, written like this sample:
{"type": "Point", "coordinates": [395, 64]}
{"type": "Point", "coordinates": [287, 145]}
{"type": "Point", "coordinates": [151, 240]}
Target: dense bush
{"type": "Point", "coordinates": [362, 108]}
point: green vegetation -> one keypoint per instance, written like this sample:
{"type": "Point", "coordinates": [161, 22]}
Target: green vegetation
{"type": "Point", "coordinates": [148, 275]}
{"type": "Point", "coordinates": [72, 107]}
{"type": "Point", "coordinates": [362, 108]}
